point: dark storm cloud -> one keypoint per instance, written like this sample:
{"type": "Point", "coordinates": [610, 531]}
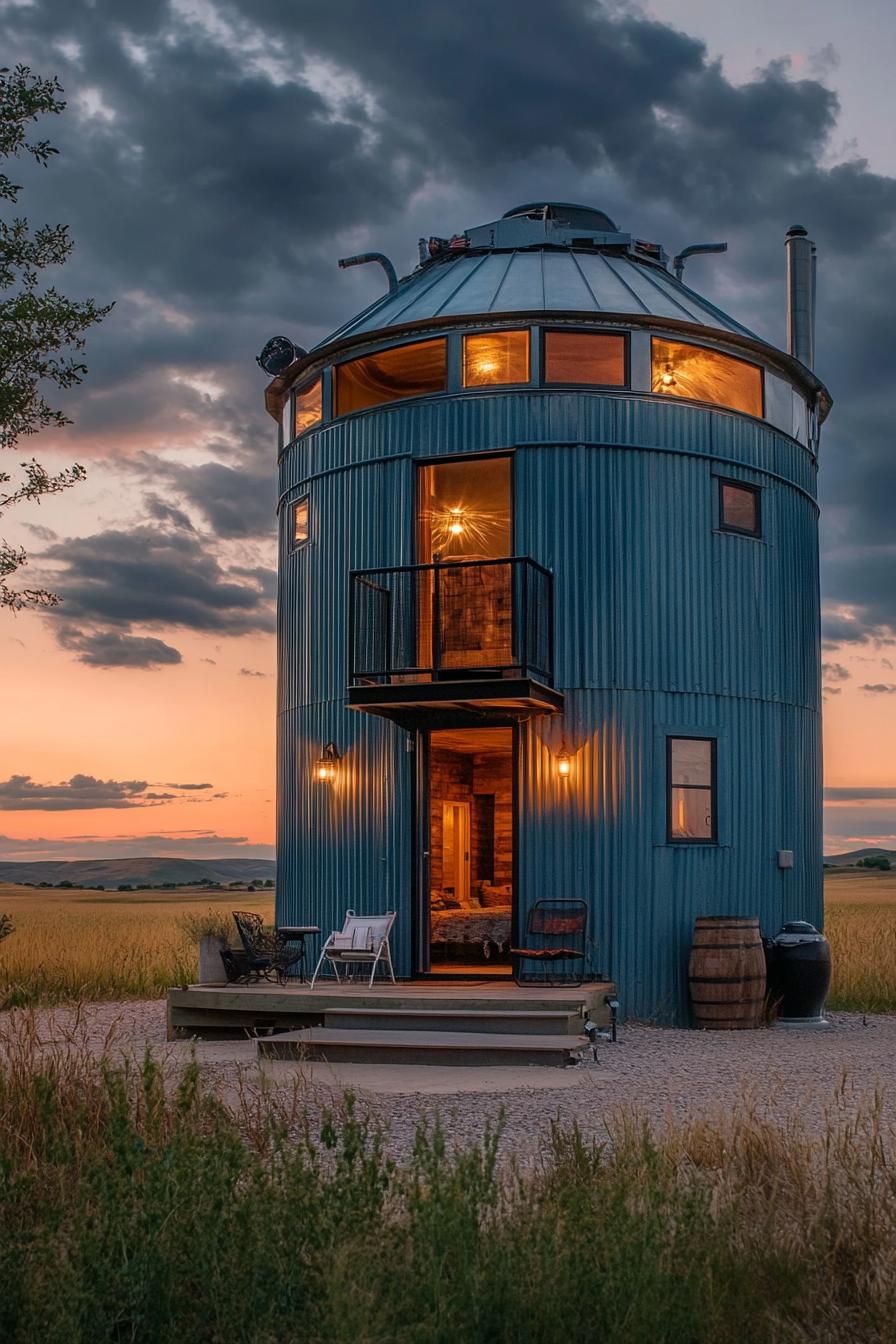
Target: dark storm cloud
{"type": "Point", "coordinates": [20, 793]}
{"type": "Point", "coordinates": [234, 501]}
{"type": "Point", "coordinates": [213, 169]}
{"type": "Point", "coordinates": [152, 577]}
{"type": "Point", "coordinates": [164, 512]}
{"type": "Point", "coordinates": [834, 672]}
{"type": "Point", "coordinates": [110, 648]}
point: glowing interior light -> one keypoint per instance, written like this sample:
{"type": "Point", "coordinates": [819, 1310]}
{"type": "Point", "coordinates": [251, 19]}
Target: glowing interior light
{"type": "Point", "coordinates": [668, 377]}
{"type": "Point", "coordinates": [456, 525]}
{"type": "Point", "coordinates": [563, 764]}
{"type": "Point", "coordinates": [325, 768]}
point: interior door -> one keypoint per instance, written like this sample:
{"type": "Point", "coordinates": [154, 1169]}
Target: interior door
{"type": "Point", "coordinates": [456, 849]}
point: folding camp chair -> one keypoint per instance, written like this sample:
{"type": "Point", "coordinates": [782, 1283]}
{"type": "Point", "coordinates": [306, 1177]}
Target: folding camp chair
{"type": "Point", "coordinates": [363, 940]}
{"type": "Point", "coordinates": [557, 954]}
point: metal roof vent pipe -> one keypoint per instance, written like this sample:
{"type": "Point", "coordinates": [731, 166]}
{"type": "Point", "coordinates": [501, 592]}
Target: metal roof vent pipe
{"type": "Point", "coordinates": [800, 295]}
{"type": "Point", "coordinates": [380, 258]}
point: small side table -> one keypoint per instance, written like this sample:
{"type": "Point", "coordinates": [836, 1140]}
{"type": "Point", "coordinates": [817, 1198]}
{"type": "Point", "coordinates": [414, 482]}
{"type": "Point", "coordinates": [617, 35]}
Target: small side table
{"type": "Point", "coordinates": [297, 933]}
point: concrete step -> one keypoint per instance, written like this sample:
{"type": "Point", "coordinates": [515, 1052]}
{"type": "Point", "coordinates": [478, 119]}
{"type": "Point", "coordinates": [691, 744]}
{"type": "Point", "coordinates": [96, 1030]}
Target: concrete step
{"type": "Point", "coordinates": [419, 1047]}
{"type": "Point", "coordinates": [495, 1021]}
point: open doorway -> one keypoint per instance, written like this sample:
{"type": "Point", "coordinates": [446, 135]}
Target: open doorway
{"type": "Point", "coordinates": [469, 902]}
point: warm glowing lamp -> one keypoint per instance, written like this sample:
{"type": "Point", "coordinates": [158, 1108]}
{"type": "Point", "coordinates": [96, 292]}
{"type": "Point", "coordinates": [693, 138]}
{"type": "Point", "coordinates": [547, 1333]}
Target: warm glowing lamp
{"type": "Point", "coordinates": [564, 763]}
{"type": "Point", "coordinates": [668, 377]}
{"type": "Point", "coordinates": [325, 768]}
{"type": "Point", "coordinates": [456, 525]}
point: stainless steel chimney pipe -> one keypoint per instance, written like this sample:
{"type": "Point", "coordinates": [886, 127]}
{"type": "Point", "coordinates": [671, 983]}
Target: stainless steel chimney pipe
{"type": "Point", "coordinates": [800, 295]}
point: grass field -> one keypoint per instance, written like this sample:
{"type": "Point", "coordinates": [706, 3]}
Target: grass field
{"type": "Point", "coordinates": [104, 945]}
{"type": "Point", "coordinates": [134, 1211]}
{"type": "Point", "coordinates": [860, 922]}
{"type": "Point", "coordinates": [128, 945]}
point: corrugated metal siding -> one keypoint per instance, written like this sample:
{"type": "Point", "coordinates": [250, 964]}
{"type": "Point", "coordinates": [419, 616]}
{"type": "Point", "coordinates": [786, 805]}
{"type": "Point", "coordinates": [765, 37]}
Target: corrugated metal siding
{"type": "Point", "coordinates": [601, 834]}
{"type": "Point", "coordinates": [483, 421]}
{"type": "Point", "coordinates": [660, 620]}
{"type": "Point", "coordinates": [345, 844]}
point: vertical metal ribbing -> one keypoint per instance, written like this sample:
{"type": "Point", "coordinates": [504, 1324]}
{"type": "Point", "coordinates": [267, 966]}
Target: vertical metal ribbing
{"type": "Point", "coordinates": [655, 619]}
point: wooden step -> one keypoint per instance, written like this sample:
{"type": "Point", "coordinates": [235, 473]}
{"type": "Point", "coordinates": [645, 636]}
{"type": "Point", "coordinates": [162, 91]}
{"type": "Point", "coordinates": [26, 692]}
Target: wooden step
{"type": "Point", "coordinates": [419, 1047]}
{"type": "Point", "coordinates": [495, 1021]}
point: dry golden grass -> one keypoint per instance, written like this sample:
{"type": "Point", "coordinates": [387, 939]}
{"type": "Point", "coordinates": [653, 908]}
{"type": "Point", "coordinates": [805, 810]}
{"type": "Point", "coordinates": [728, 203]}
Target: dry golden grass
{"type": "Point", "coordinates": [76, 944]}
{"type": "Point", "coordinates": [860, 921]}
{"type": "Point", "coordinates": [137, 1204]}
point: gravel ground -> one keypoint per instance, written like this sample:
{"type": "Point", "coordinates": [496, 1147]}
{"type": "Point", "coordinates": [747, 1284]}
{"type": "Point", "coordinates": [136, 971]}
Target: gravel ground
{"type": "Point", "coordinates": [664, 1074]}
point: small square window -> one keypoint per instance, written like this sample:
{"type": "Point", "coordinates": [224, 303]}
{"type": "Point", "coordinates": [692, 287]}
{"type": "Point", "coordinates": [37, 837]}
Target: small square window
{"type": "Point", "coordinates": [691, 789]}
{"type": "Point", "coordinates": [496, 357]}
{"type": "Point", "coordinates": [301, 523]}
{"type": "Point", "coordinates": [739, 508]}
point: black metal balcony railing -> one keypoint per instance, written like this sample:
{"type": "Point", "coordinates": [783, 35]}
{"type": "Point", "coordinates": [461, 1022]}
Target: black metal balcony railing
{"type": "Point", "coordinates": [451, 621]}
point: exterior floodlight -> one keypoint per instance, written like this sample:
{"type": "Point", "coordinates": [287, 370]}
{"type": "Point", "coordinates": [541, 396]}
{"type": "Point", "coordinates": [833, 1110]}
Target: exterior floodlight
{"type": "Point", "coordinates": [278, 354]}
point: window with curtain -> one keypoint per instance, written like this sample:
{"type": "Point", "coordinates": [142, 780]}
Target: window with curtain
{"type": "Point", "coordinates": [595, 358]}
{"type": "Point", "coordinates": [691, 776]}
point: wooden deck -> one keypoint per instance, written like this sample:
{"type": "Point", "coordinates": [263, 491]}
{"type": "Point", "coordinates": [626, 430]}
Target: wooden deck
{"type": "Point", "coordinates": [234, 1011]}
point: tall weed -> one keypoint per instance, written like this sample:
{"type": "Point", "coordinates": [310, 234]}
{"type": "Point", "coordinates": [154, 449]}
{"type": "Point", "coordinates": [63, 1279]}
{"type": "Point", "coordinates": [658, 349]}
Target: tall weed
{"type": "Point", "coordinates": [135, 1205]}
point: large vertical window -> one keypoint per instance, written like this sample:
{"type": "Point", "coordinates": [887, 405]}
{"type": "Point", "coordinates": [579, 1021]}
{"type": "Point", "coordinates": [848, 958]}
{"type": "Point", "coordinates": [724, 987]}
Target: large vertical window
{"type": "Point", "coordinates": [390, 375]}
{"type": "Point", "coordinates": [308, 408]}
{"type": "Point", "coordinates": [494, 357]}
{"type": "Point", "coordinates": [693, 371]}
{"type": "Point", "coordinates": [465, 595]}
{"type": "Point", "coordinates": [691, 789]}
{"type": "Point", "coordinates": [464, 510]}
{"type": "Point", "coordinates": [595, 358]}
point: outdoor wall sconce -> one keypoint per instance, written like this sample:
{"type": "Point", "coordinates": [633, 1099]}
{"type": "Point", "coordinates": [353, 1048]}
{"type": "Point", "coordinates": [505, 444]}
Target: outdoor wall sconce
{"type": "Point", "coordinates": [564, 763]}
{"type": "Point", "coordinates": [325, 768]}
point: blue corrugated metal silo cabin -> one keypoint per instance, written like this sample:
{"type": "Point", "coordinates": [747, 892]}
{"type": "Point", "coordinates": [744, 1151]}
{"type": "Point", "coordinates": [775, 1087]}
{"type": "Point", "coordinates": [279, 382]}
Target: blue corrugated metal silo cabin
{"type": "Point", "coordinates": [549, 593]}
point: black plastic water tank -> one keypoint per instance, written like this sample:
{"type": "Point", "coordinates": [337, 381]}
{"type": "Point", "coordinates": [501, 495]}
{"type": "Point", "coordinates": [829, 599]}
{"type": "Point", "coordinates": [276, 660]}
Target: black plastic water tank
{"type": "Point", "coordinates": [799, 972]}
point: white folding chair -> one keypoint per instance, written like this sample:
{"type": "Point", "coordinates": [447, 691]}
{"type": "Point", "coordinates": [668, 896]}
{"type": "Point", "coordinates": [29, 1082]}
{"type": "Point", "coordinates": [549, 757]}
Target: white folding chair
{"type": "Point", "coordinates": [363, 940]}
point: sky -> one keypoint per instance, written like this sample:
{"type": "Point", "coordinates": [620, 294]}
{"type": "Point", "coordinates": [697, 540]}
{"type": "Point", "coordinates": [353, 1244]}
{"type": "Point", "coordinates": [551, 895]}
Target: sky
{"type": "Point", "coordinates": [217, 158]}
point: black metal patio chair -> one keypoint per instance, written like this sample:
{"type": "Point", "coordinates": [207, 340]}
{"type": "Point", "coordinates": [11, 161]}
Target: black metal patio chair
{"type": "Point", "coordinates": [555, 945]}
{"type": "Point", "coordinates": [268, 955]}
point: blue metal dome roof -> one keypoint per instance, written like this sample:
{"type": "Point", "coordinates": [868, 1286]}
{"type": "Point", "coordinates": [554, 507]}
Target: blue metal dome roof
{"type": "Point", "coordinates": [550, 258]}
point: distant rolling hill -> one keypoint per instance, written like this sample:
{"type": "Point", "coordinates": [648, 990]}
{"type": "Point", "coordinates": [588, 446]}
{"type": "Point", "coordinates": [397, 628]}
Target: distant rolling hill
{"type": "Point", "coordinates": [843, 860]}
{"type": "Point", "coordinates": [138, 872]}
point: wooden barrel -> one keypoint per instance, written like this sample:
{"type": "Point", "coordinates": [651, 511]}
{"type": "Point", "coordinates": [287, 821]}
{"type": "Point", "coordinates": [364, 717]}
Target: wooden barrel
{"type": "Point", "coordinates": [727, 973]}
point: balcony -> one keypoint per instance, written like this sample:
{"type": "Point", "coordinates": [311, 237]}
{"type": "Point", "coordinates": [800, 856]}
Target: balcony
{"type": "Point", "coordinates": [443, 645]}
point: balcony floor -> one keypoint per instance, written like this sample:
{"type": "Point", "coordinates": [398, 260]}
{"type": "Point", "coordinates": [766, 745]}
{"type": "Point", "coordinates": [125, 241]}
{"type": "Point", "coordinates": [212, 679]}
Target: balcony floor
{"type": "Point", "coordinates": [457, 704]}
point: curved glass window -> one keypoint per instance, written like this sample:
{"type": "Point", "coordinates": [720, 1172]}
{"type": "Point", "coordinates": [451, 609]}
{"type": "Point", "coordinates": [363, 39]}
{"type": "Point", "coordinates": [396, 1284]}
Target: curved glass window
{"type": "Point", "coordinates": [309, 408]}
{"type": "Point", "coordinates": [595, 358]}
{"type": "Point", "coordinates": [693, 371]}
{"type": "Point", "coordinates": [404, 371]}
{"type": "Point", "coordinates": [496, 357]}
